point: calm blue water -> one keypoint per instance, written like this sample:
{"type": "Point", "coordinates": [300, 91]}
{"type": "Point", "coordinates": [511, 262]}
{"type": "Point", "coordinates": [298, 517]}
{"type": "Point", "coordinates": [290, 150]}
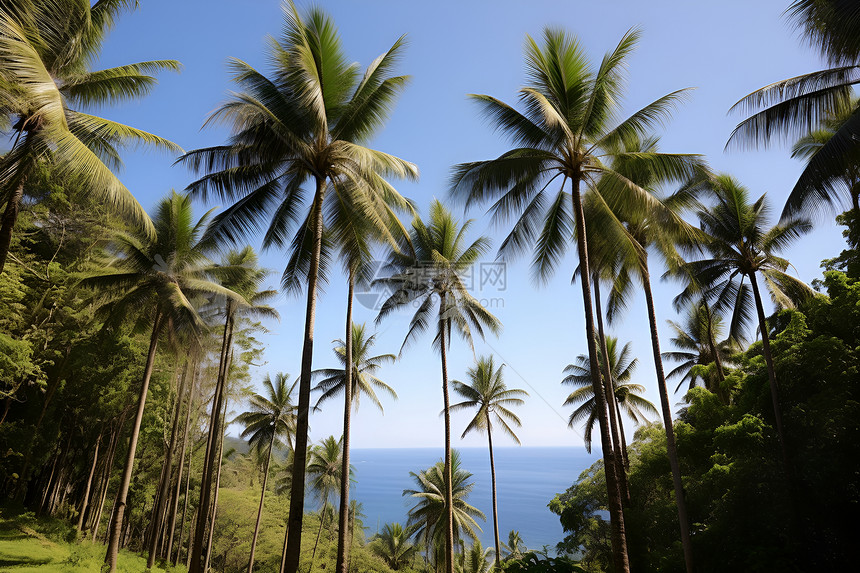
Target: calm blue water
{"type": "Point", "coordinates": [527, 479]}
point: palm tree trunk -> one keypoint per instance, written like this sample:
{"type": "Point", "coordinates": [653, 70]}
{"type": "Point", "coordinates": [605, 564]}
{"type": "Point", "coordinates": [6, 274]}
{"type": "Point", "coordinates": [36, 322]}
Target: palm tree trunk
{"type": "Point", "coordinates": [771, 373]}
{"type": "Point", "coordinates": [449, 495]}
{"type": "Point", "coordinates": [119, 506]}
{"type": "Point", "coordinates": [164, 486]}
{"type": "Point", "coordinates": [343, 512]}
{"type": "Point", "coordinates": [300, 453]}
{"type": "Point", "coordinates": [105, 481]}
{"type": "Point", "coordinates": [184, 512]}
{"type": "Point", "coordinates": [196, 548]}
{"type": "Point", "coordinates": [10, 215]}
{"type": "Point", "coordinates": [284, 552]}
{"type": "Point", "coordinates": [624, 457]}
{"type": "Point", "coordinates": [208, 554]}
{"type": "Point", "coordinates": [319, 532]}
{"type": "Point", "coordinates": [175, 509]}
{"type": "Point", "coordinates": [495, 501]}
{"type": "Point", "coordinates": [86, 499]}
{"type": "Point", "coordinates": [618, 449]}
{"type": "Point", "coordinates": [616, 515]}
{"type": "Point", "coordinates": [671, 448]}
{"type": "Point", "coordinates": [260, 509]}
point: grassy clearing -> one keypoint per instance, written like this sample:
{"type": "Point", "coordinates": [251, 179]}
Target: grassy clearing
{"type": "Point", "coordinates": [48, 545]}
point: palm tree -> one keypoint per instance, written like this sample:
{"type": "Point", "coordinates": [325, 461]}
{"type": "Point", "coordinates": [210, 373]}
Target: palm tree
{"type": "Point", "coordinates": [792, 108]}
{"type": "Point", "coordinates": [628, 395]}
{"type": "Point", "coordinates": [271, 419]}
{"type": "Point", "coordinates": [325, 473]}
{"type": "Point", "coordinates": [696, 355]}
{"type": "Point", "coordinates": [487, 392]}
{"type": "Point", "coordinates": [566, 132]}
{"type": "Point", "coordinates": [742, 248]}
{"type": "Point", "coordinates": [309, 122]}
{"type": "Point", "coordinates": [515, 546]}
{"type": "Point", "coordinates": [392, 545]}
{"type": "Point", "coordinates": [155, 279]}
{"type": "Point", "coordinates": [429, 267]}
{"type": "Point", "coordinates": [428, 518]}
{"type": "Point", "coordinates": [47, 49]}
{"type": "Point", "coordinates": [476, 559]}
{"type": "Point", "coordinates": [332, 381]}
{"type": "Point", "coordinates": [241, 273]}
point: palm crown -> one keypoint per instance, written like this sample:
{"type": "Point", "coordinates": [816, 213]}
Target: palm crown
{"type": "Point", "coordinates": [487, 392]}
{"type": "Point", "coordinates": [272, 415]}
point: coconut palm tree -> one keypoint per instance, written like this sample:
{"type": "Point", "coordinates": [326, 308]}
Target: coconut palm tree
{"type": "Point", "coordinates": [476, 559]}
{"type": "Point", "coordinates": [428, 517]}
{"type": "Point", "coordinates": [271, 419]}
{"type": "Point", "coordinates": [695, 350]}
{"type": "Point", "coordinates": [566, 134]}
{"type": "Point", "coordinates": [332, 381]}
{"type": "Point", "coordinates": [239, 271]}
{"type": "Point", "coordinates": [487, 392]}
{"type": "Point", "coordinates": [324, 471]}
{"type": "Point", "coordinates": [741, 248]}
{"type": "Point", "coordinates": [792, 108]}
{"type": "Point", "coordinates": [154, 280]}
{"type": "Point", "coordinates": [515, 546]}
{"type": "Point", "coordinates": [47, 49]}
{"type": "Point", "coordinates": [308, 122]}
{"type": "Point", "coordinates": [430, 267]}
{"type": "Point", "coordinates": [628, 395]}
{"type": "Point", "coordinates": [392, 545]}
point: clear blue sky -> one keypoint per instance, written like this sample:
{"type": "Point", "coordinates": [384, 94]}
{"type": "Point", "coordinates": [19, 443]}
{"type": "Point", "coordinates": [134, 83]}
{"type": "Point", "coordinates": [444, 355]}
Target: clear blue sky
{"type": "Point", "coordinates": [723, 49]}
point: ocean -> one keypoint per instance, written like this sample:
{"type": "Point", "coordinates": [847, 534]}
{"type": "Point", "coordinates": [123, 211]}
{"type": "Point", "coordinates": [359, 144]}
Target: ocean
{"type": "Point", "coordinates": [526, 478]}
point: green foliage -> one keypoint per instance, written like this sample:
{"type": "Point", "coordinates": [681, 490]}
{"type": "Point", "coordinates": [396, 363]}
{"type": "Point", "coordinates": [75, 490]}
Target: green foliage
{"type": "Point", "coordinates": [531, 562]}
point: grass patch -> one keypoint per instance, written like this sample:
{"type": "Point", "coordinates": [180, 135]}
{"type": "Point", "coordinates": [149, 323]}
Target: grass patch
{"type": "Point", "coordinates": [50, 545]}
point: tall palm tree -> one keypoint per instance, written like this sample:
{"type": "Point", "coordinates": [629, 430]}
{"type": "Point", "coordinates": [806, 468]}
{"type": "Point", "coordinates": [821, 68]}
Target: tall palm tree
{"type": "Point", "coordinates": [628, 395]}
{"type": "Point", "coordinates": [487, 392]}
{"type": "Point", "coordinates": [741, 248]}
{"type": "Point", "coordinates": [392, 545]}
{"type": "Point", "coordinates": [429, 267]}
{"type": "Point", "coordinates": [428, 518]}
{"type": "Point", "coordinates": [308, 123]}
{"type": "Point", "coordinates": [565, 135]}
{"type": "Point", "coordinates": [154, 280]}
{"type": "Point", "coordinates": [271, 419]}
{"type": "Point", "coordinates": [47, 49]}
{"type": "Point", "coordinates": [695, 341]}
{"type": "Point", "coordinates": [239, 271]}
{"type": "Point", "coordinates": [332, 381]}
{"type": "Point", "coordinates": [792, 108]}
{"type": "Point", "coordinates": [324, 471]}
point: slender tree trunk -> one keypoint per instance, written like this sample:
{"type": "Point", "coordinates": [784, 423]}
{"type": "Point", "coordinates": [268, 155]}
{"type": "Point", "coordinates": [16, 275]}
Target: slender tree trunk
{"type": "Point", "coordinates": [220, 457]}
{"type": "Point", "coordinates": [771, 374]}
{"type": "Point", "coordinates": [87, 488]}
{"type": "Point", "coordinates": [196, 548]}
{"type": "Point", "coordinates": [119, 508]}
{"type": "Point", "coordinates": [10, 215]}
{"type": "Point", "coordinates": [343, 548]}
{"type": "Point", "coordinates": [260, 509]}
{"type": "Point", "coordinates": [284, 552]}
{"type": "Point", "coordinates": [624, 457]}
{"type": "Point", "coordinates": [191, 529]}
{"type": "Point", "coordinates": [114, 442]}
{"type": "Point", "coordinates": [319, 532]}
{"type": "Point", "coordinates": [449, 495]}
{"type": "Point", "coordinates": [671, 448]}
{"type": "Point", "coordinates": [184, 513]}
{"type": "Point", "coordinates": [175, 510]}
{"type": "Point", "coordinates": [164, 486]}
{"type": "Point", "coordinates": [609, 386]}
{"type": "Point", "coordinates": [495, 499]}
{"type": "Point", "coordinates": [616, 515]}
{"type": "Point", "coordinates": [300, 453]}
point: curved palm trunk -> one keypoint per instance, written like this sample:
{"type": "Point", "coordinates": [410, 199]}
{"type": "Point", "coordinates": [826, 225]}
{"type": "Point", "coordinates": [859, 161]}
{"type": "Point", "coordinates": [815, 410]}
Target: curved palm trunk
{"type": "Point", "coordinates": [260, 509]}
{"type": "Point", "coordinates": [495, 502]}
{"type": "Point", "coordinates": [449, 495]}
{"type": "Point", "coordinates": [196, 549]}
{"type": "Point", "coordinates": [86, 499]}
{"type": "Point", "coordinates": [13, 206]}
{"type": "Point", "coordinates": [671, 448]}
{"type": "Point", "coordinates": [616, 514]}
{"type": "Point", "coordinates": [341, 565]}
{"type": "Point", "coordinates": [618, 448]}
{"type": "Point", "coordinates": [319, 533]}
{"type": "Point", "coordinates": [300, 453]}
{"type": "Point", "coordinates": [119, 506]}
{"type": "Point", "coordinates": [771, 372]}
{"type": "Point", "coordinates": [164, 486]}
